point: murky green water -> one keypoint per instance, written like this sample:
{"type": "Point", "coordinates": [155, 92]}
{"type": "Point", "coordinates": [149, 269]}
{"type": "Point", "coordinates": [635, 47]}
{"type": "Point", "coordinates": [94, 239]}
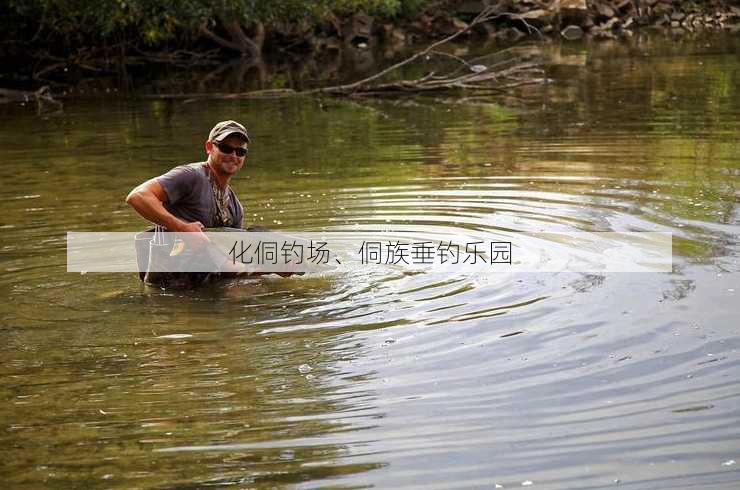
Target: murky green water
{"type": "Point", "coordinates": [390, 380]}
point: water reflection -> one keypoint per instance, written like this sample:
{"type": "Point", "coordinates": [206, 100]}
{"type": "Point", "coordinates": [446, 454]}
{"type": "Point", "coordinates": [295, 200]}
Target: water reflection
{"type": "Point", "coordinates": [193, 372]}
{"type": "Point", "coordinates": [443, 379]}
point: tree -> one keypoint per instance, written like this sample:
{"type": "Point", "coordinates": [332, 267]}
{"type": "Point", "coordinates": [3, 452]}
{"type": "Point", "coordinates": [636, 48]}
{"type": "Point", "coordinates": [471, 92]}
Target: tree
{"type": "Point", "coordinates": [237, 25]}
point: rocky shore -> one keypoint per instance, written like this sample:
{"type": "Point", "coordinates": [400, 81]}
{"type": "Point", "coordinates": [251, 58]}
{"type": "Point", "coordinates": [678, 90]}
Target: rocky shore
{"type": "Point", "coordinates": [571, 19]}
{"type": "Point", "coordinates": [323, 48]}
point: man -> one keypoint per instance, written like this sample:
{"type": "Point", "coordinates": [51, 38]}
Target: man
{"type": "Point", "coordinates": [192, 197]}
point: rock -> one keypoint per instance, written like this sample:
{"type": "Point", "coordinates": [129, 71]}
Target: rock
{"type": "Point", "coordinates": [609, 25]}
{"type": "Point", "coordinates": [573, 4]}
{"type": "Point", "coordinates": [571, 33]}
{"type": "Point", "coordinates": [571, 11]}
{"type": "Point", "coordinates": [358, 29]}
{"type": "Point", "coordinates": [679, 16]}
{"type": "Point", "coordinates": [539, 16]}
{"type": "Point", "coordinates": [605, 10]}
{"type": "Point", "coordinates": [675, 23]}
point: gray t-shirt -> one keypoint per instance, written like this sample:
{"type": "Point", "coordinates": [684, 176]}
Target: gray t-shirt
{"type": "Point", "coordinates": [190, 196]}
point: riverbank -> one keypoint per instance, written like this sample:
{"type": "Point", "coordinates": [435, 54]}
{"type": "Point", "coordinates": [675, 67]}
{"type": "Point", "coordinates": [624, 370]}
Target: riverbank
{"type": "Point", "coordinates": [604, 18]}
{"type": "Point", "coordinates": [320, 41]}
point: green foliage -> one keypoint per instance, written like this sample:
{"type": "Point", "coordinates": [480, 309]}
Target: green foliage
{"type": "Point", "coordinates": [154, 21]}
{"type": "Point", "coordinates": [383, 8]}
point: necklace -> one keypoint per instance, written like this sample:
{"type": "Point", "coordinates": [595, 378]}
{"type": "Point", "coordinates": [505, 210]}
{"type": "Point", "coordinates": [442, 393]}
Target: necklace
{"type": "Point", "coordinates": [220, 200]}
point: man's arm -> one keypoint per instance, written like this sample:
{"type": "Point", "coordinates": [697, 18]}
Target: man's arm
{"type": "Point", "coordinates": [148, 200]}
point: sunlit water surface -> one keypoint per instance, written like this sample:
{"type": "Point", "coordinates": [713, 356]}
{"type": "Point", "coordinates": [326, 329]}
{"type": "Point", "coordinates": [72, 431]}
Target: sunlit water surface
{"type": "Point", "coordinates": [374, 377]}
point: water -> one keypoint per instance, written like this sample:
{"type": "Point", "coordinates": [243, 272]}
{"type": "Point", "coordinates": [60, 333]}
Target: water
{"type": "Point", "coordinates": [380, 378]}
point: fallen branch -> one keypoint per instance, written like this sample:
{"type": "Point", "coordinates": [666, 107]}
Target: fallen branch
{"type": "Point", "coordinates": [85, 59]}
{"type": "Point", "coordinates": [254, 94]}
{"type": "Point", "coordinates": [487, 15]}
{"type": "Point", "coordinates": [493, 77]}
{"type": "Point", "coordinates": [41, 96]}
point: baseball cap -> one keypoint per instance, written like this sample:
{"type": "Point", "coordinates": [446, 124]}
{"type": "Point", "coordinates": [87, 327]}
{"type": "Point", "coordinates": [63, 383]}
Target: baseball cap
{"type": "Point", "coordinates": [224, 129]}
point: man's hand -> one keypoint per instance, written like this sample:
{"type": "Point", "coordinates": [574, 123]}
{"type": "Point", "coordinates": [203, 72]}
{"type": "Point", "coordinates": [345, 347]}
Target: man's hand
{"type": "Point", "coordinates": [194, 227]}
{"type": "Point", "coordinates": [192, 234]}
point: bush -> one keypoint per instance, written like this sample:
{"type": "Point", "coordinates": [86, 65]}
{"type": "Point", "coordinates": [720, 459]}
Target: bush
{"type": "Point", "coordinates": [151, 22]}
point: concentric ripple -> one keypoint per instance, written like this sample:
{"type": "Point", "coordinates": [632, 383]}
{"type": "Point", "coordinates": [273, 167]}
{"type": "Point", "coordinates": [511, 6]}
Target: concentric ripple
{"type": "Point", "coordinates": [378, 376]}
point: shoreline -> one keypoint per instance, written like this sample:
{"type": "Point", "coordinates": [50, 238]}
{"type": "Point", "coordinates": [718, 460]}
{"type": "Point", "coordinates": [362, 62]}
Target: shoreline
{"type": "Point", "coordinates": [360, 37]}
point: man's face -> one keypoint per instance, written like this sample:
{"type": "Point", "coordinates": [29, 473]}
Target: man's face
{"type": "Point", "coordinates": [223, 157]}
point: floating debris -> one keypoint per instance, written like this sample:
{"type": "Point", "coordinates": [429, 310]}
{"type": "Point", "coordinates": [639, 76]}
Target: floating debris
{"type": "Point", "coordinates": [729, 462]}
{"type": "Point", "coordinates": [527, 483]}
{"type": "Point", "coordinates": [176, 336]}
{"type": "Point", "coordinates": [305, 368]}
{"type": "Point", "coordinates": [711, 360]}
{"type": "Point", "coordinates": [511, 334]}
{"type": "Point", "coordinates": [696, 408]}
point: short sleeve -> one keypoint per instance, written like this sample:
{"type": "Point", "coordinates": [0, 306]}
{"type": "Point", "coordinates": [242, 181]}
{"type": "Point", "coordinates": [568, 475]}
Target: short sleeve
{"type": "Point", "coordinates": [178, 183]}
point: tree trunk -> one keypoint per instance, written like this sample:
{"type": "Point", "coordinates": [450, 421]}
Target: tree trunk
{"type": "Point", "coordinates": [238, 40]}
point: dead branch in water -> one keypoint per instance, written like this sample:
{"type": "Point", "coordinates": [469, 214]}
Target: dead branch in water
{"type": "Point", "coordinates": [477, 80]}
{"type": "Point", "coordinates": [42, 97]}
{"type": "Point", "coordinates": [483, 78]}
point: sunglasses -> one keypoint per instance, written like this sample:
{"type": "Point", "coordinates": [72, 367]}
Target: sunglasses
{"type": "Point", "coordinates": [228, 149]}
